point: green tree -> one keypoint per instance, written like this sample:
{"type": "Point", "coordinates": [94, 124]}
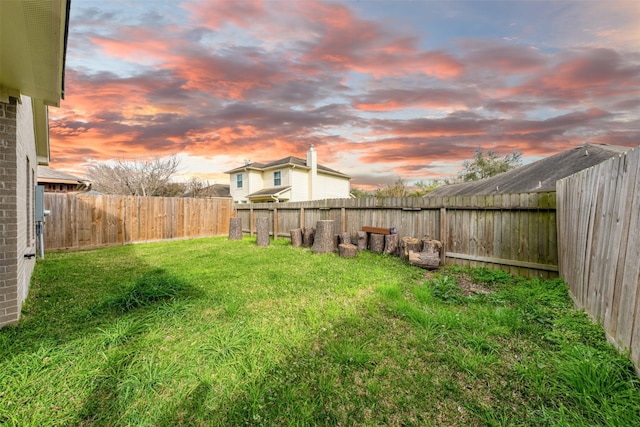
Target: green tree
{"type": "Point", "coordinates": [487, 165]}
{"type": "Point", "coordinates": [360, 194]}
{"type": "Point", "coordinates": [395, 189]}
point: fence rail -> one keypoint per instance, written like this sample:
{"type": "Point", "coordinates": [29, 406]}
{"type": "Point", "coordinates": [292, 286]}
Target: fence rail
{"type": "Point", "coordinates": [80, 221]}
{"type": "Point", "coordinates": [599, 241]}
{"type": "Point", "coordinates": [513, 232]}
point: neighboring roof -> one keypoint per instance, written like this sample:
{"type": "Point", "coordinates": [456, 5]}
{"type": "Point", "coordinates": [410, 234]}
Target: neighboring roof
{"type": "Point", "coordinates": [271, 191]}
{"type": "Point", "coordinates": [285, 161]}
{"type": "Point", "coordinates": [46, 174]}
{"type": "Point", "coordinates": [33, 45]}
{"type": "Point", "coordinates": [215, 190]}
{"type": "Point", "coordinates": [538, 176]}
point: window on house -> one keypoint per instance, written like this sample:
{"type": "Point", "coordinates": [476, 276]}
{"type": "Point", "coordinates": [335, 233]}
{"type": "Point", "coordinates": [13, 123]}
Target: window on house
{"type": "Point", "coordinates": [239, 180]}
{"type": "Point", "coordinates": [277, 179]}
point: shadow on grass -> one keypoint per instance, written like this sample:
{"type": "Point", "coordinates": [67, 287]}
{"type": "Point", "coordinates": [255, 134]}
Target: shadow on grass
{"type": "Point", "coordinates": [154, 287]}
{"type": "Point", "coordinates": [68, 302]}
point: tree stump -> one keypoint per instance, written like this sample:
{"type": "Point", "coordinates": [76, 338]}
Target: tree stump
{"type": "Point", "coordinates": [262, 231]}
{"type": "Point", "coordinates": [307, 236]}
{"type": "Point", "coordinates": [376, 243]}
{"type": "Point", "coordinates": [296, 237]}
{"type": "Point", "coordinates": [323, 239]}
{"type": "Point", "coordinates": [409, 244]}
{"type": "Point", "coordinates": [362, 240]}
{"type": "Point", "coordinates": [429, 258]}
{"type": "Point", "coordinates": [345, 238]}
{"type": "Point", "coordinates": [391, 244]}
{"type": "Point", "coordinates": [235, 228]}
{"type": "Point", "coordinates": [430, 245]}
{"type": "Point", "coordinates": [347, 250]}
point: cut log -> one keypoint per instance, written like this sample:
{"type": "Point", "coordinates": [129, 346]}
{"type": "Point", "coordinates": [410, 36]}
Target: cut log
{"type": "Point", "coordinates": [376, 243]}
{"type": "Point", "coordinates": [409, 244]}
{"type": "Point", "coordinates": [307, 236]}
{"type": "Point", "coordinates": [235, 228]}
{"type": "Point", "coordinates": [362, 240]}
{"type": "Point", "coordinates": [428, 260]}
{"type": "Point", "coordinates": [347, 250]}
{"type": "Point", "coordinates": [296, 237]}
{"type": "Point", "coordinates": [391, 244]}
{"type": "Point", "coordinates": [262, 231]}
{"type": "Point", "coordinates": [345, 237]}
{"type": "Point", "coordinates": [323, 239]}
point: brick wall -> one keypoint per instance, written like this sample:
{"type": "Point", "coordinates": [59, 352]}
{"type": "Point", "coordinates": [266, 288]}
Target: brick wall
{"type": "Point", "coordinates": [17, 164]}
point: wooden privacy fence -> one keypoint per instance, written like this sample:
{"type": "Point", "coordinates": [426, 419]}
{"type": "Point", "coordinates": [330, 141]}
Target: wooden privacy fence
{"type": "Point", "coordinates": [79, 221]}
{"type": "Point", "coordinates": [513, 232]}
{"type": "Point", "coordinates": [599, 245]}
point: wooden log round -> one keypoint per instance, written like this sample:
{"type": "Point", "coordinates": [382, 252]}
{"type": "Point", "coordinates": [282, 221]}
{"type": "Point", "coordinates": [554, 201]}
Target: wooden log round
{"type": "Point", "coordinates": [347, 250]}
{"type": "Point", "coordinates": [391, 244]}
{"type": "Point", "coordinates": [307, 236]}
{"type": "Point", "coordinates": [376, 243]}
{"type": "Point", "coordinates": [362, 240]}
{"type": "Point", "coordinates": [235, 228]}
{"type": "Point", "coordinates": [296, 237]}
{"type": "Point", "coordinates": [428, 260]}
{"type": "Point", "coordinates": [323, 239]}
{"type": "Point", "coordinates": [407, 244]}
{"type": "Point", "coordinates": [345, 237]}
{"type": "Point", "coordinates": [262, 231]}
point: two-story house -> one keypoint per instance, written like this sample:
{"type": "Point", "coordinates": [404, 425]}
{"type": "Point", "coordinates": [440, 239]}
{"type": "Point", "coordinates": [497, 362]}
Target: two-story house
{"type": "Point", "coordinates": [290, 179]}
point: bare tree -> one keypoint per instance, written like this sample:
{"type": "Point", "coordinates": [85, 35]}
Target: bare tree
{"type": "Point", "coordinates": [134, 177]}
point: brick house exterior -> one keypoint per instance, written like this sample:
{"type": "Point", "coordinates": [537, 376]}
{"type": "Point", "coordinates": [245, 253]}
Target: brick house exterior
{"type": "Point", "coordinates": [31, 79]}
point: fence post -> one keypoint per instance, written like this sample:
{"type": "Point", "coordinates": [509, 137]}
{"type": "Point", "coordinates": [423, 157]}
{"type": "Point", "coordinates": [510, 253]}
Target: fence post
{"type": "Point", "coordinates": [302, 218]}
{"type": "Point", "coordinates": [275, 223]}
{"type": "Point", "coordinates": [443, 235]}
{"type": "Point", "coordinates": [252, 221]}
{"type": "Point", "coordinates": [343, 220]}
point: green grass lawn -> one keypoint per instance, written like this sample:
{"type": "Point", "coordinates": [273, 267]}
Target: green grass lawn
{"type": "Point", "coordinates": [217, 332]}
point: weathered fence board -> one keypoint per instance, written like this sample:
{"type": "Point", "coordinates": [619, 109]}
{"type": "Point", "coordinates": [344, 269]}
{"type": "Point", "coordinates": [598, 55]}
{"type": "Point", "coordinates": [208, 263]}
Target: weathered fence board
{"type": "Point", "coordinates": [599, 245]}
{"type": "Point", "coordinates": [84, 221]}
{"type": "Point", "coordinates": [514, 232]}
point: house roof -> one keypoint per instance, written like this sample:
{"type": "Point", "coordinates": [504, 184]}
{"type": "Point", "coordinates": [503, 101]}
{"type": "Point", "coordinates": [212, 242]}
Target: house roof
{"type": "Point", "coordinates": [33, 44]}
{"type": "Point", "coordinates": [285, 161]}
{"type": "Point", "coordinates": [538, 176]}
{"type": "Point", "coordinates": [46, 174]}
{"type": "Point", "coordinates": [271, 191]}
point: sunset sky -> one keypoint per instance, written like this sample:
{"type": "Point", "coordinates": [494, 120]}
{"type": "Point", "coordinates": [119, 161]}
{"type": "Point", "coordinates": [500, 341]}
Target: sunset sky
{"type": "Point", "coordinates": [383, 89]}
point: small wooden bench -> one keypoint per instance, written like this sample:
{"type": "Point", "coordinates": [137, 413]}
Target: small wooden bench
{"type": "Point", "coordinates": [379, 230]}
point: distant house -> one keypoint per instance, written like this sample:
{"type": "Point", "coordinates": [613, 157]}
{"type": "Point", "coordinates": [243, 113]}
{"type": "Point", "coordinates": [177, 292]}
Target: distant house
{"type": "Point", "coordinates": [55, 181]}
{"type": "Point", "coordinates": [539, 176]}
{"type": "Point", "coordinates": [290, 179]}
{"type": "Point", "coordinates": [33, 39]}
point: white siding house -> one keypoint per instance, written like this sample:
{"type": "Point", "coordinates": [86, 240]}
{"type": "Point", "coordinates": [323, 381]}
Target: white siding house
{"type": "Point", "coordinates": [290, 179]}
